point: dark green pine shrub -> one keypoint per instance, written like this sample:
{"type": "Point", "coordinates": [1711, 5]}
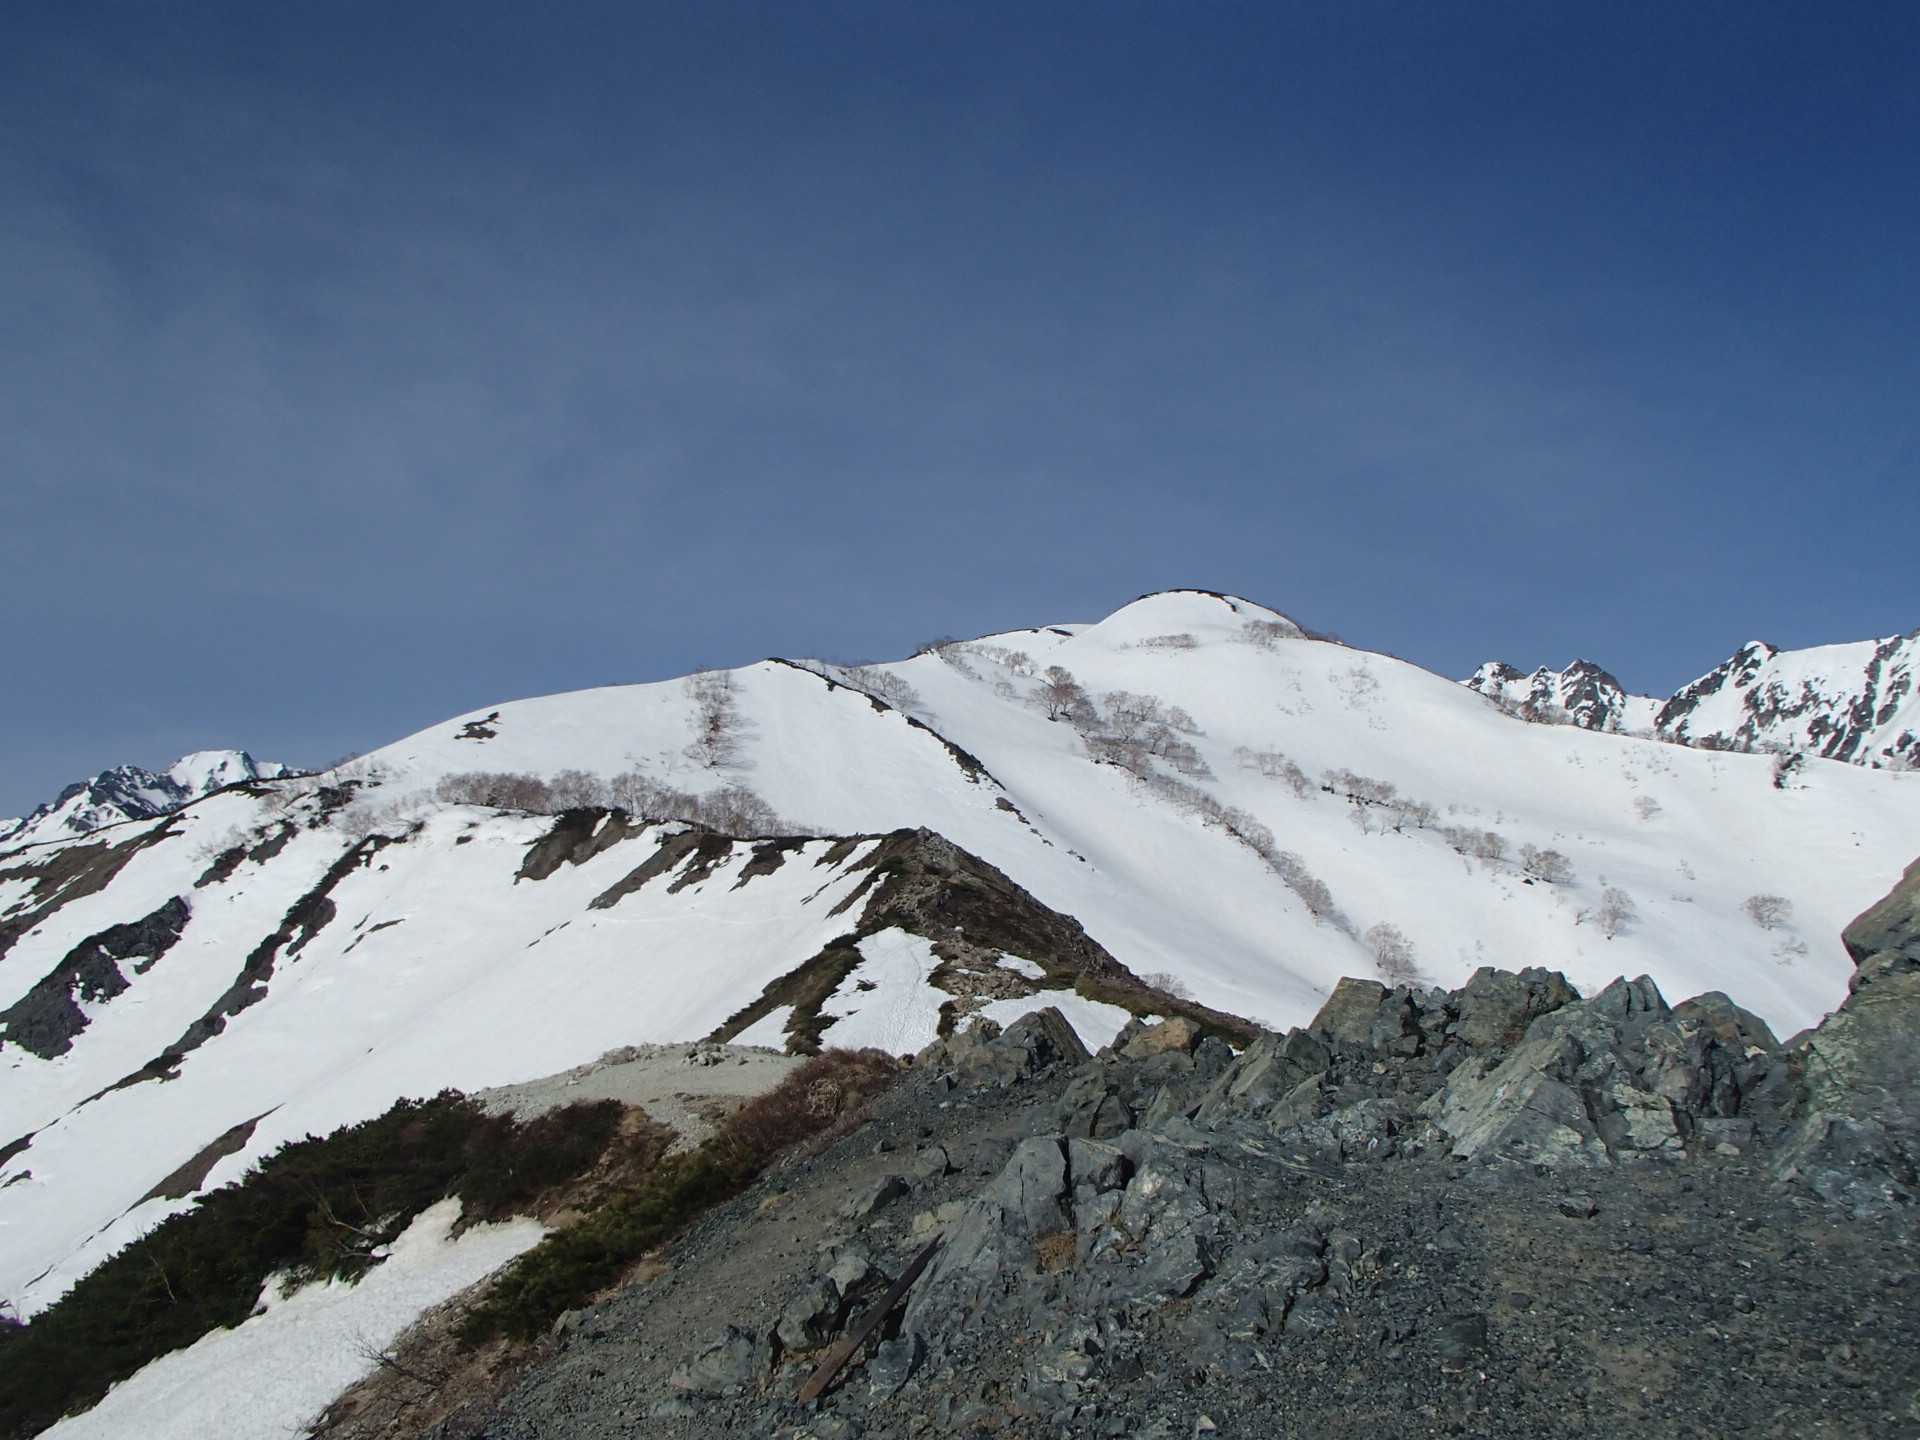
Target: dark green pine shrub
{"type": "Point", "coordinates": [813, 1102]}
{"type": "Point", "coordinates": [317, 1208]}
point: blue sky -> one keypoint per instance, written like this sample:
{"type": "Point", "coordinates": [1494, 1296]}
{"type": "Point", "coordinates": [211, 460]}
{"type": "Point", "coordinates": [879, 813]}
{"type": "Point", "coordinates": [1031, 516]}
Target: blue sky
{"type": "Point", "coordinates": [365, 363]}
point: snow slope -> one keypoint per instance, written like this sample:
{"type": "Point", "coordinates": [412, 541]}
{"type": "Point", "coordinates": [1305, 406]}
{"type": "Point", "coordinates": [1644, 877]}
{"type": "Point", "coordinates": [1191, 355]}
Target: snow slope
{"type": "Point", "coordinates": [268, 1377]}
{"type": "Point", "coordinates": [1220, 799]}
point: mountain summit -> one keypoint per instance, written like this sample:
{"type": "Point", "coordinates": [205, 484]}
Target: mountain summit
{"type": "Point", "coordinates": [127, 792]}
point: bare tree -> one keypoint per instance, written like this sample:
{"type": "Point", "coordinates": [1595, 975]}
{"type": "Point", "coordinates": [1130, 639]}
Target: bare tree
{"type": "Point", "coordinates": [1613, 912]}
{"type": "Point", "coordinates": [1480, 844]}
{"type": "Point", "coordinates": [1267, 634]}
{"type": "Point", "coordinates": [1548, 865]}
{"type": "Point", "coordinates": [1393, 954]}
{"type": "Point", "coordinates": [1402, 812]}
{"type": "Point", "coordinates": [1769, 912]}
{"type": "Point", "coordinates": [1138, 726]}
{"type": "Point", "coordinates": [1168, 983]}
{"type": "Point", "coordinates": [1275, 766]}
{"type": "Point", "coordinates": [501, 790]}
{"type": "Point", "coordinates": [1358, 788]}
{"type": "Point", "coordinates": [1061, 697]}
{"type": "Point", "coordinates": [1016, 661]}
{"type": "Point", "coordinates": [638, 794]}
{"type": "Point", "coordinates": [883, 684]}
{"type": "Point", "coordinates": [577, 790]}
{"type": "Point", "coordinates": [1310, 888]}
{"type": "Point", "coordinates": [716, 719]}
{"type": "Point", "coordinates": [736, 810]}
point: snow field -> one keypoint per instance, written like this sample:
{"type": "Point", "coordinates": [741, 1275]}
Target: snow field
{"type": "Point", "coordinates": [439, 969]}
{"type": "Point", "coordinates": [268, 1377]}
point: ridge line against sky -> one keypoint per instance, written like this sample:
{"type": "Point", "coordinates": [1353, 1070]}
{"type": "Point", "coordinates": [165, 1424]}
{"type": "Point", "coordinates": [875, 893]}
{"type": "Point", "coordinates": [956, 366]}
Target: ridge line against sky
{"type": "Point", "coordinates": [363, 364]}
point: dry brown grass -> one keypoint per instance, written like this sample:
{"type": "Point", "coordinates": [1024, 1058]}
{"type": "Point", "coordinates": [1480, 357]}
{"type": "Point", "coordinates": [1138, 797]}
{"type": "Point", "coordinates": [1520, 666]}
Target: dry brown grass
{"type": "Point", "coordinates": [1056, 1252]}
{"type": "Point", "coordinates": [812, 1100]}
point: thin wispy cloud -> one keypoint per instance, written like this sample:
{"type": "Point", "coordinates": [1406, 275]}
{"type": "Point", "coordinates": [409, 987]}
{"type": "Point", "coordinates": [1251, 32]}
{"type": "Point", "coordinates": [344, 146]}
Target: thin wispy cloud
{"type": "Point", "coordinates": [367, 365]}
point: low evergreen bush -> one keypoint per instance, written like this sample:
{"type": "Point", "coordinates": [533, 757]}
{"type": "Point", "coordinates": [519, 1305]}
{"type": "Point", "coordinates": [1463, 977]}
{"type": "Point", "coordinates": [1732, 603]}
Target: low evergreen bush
{"type": "Point", "coordinates": [813, 1102]}
{"type": "Point", "coordinates": [316, 1209]}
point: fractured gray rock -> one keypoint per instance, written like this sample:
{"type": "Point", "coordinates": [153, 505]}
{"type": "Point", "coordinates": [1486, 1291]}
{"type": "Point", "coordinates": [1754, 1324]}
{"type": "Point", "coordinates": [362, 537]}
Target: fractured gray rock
{"type": "Point", "coordinates": [733, 1361]}
{"type": "Point", "coordinates": [810, 1317]}
{"type": "Point", "coordinates": [1574, 1091]}
{"type": "Point", "coordinates": [1496, 1006]}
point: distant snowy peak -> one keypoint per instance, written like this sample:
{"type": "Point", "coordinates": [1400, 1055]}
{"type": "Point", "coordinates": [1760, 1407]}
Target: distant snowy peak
{"type": "Point", "coordinates": [127, 792]}
{"type": "Point", "coordinates": [1582, 694]}
{"type": "Point", "coordinates": [1853, 702]}
{"type": "Point", "coordinates": [1846, 702]}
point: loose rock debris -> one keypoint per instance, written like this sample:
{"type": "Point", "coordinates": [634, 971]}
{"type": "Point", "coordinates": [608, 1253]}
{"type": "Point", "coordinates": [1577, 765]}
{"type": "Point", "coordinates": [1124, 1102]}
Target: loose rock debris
{"type": "Point", "coordinates": [1502, 1210]}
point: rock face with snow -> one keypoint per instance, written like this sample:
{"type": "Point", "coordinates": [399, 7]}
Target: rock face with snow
{"type": "Point", "coordinates": [1843, 702]}
{"type": "Point", "coordinates": [127, 792]}
{"type": "Point", "coordinates": [1853, 703]}
{"type": "Point", "coordinates": [1582, 694]}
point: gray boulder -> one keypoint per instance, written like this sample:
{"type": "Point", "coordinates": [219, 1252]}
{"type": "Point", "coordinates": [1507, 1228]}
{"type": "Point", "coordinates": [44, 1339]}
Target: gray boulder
{"type": "Point", "coordinates": [1619, 1076]}
{"type": "Point", "coordinates": [1856, 1139]}
{"type": "Point", "coordinates": [730, 1364]}
{"type": "Point", "coordinates": [984, 1055]}
{"type": "Point", "coordinates": [1264, 1074]}
{"type": "Point", "coordinates": [1495, 1007]}
{"type": "Point", "coordinates": [810, 1317]}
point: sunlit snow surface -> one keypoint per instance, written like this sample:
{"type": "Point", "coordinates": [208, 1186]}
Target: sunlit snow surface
{"type": "Point", "coordinates": [269, 1376]}
{"type": "Point", "coordinates": [439, 968]}
{"type": "Point", "coordinates": [886, 1002]}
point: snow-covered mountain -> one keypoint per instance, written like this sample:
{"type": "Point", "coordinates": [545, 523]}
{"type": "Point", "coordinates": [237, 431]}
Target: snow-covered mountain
{"type": "Point", "coordinates": [1851, 702]}
{"type": "Point", "coordinates": [1844, 702]}
{"type": "Point", "coordinates": [1582, 694]}
{"type": "Point", "coordinates": [1189, 798]}
{"type": "Point", "coordinates": [127, 792]}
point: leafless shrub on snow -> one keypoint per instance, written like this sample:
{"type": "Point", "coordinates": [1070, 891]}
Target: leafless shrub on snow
{"type": "Point", "coordinates": [1275, 766]}
{"type": "Point", "coordinates": [1182, 641]}
{"type": "Point", "coordinates": [1311, 889]}
{"type": "Point", "coordinates": [1358, 788]}
{"type": "Point", "coordinates": [1267, 634]}
{"type": "Point", "coordinates": [1613, 912]}
{"type": "Point", "coordinates": [1479, 844]}
{"type": "Point", "coordinates": [1137, 727]}
{"type": "Point", "coordinates": [498, 790]}
{"type": "Point", "coordinates": [716, 719]}
{"type": "Point", "coordinates": [1769, 912]}
{"type": "Point", "coordinates": [881, 684]}
{"type": "Point", "coordinates": [1061, 697]}
{"type": "Point", "coordinates": [1392, 954]}
{"type": "Point", "coordinates": [1548, 865]}
{"type": "Point", "coordinates": [729, 810]}
{"type": "Point", "coordinates": [577, 790]}
{"type": "Point", "coordinates": [1016, 661]}
{"type": "Point", "coordinates": [1169, 983]}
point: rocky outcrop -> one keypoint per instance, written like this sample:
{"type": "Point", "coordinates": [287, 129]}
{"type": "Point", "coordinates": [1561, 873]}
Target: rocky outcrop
{"type": "Point", "coordinates": [1852, 702]}
{"type": "Point", "coordinates": [1422, 1213]}
{"type": "Point", "coordinates": [1620, 1076]}
{"type": "Point", "coordinates": [1857, 1139]}
{"type": "Point", "coordinates": [1582, 694]}
{"type": "Point", "coordinates": [46, 1019]}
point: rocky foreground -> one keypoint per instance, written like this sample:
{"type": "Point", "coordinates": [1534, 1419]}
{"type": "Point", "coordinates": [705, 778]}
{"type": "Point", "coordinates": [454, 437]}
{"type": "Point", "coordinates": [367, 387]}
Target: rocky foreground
{"type": "Point", "coordinates": [1503, 1210]}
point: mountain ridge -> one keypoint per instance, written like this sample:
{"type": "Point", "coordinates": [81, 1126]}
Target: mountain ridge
{"type": "Point", "coordinates": [1236, 813]}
